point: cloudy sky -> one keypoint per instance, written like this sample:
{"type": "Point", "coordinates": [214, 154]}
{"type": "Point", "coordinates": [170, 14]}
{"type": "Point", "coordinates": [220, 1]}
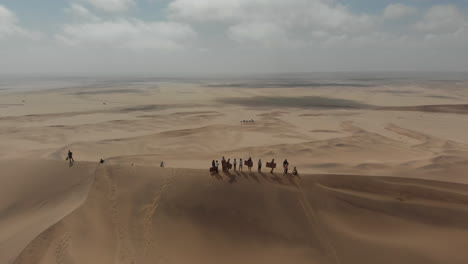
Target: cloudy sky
{"type": "Point", "coordinates": [223, 36]}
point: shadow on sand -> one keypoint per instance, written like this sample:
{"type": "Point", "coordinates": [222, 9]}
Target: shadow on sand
{"type": "Point", "coordinates": [281, 179]}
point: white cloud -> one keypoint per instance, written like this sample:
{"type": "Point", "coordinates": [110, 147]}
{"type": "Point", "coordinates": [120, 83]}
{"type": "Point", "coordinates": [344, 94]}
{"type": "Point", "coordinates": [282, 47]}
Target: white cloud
{"type": "Point", "coordinates": [128, 33]}
{"type": "Point", "coordinates": [395, 11]}
{"type": "Point", "coordinates": [292, 19]}
{"type": "Point", "coordinates": [112, 5]}
{"type": "Point", "coordinates": [267, 33]}
{"type": "Point", "coordinates": [442, 19]}
{"type": "Point", "coordinates": [79, 11]}
{"type": "Point", "coordinates": [9, 25]}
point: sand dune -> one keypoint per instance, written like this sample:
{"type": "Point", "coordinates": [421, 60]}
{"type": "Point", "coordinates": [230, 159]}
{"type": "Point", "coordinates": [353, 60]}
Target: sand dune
{"type": "Point", "coordinates": [137, 214]}
{"type": "Point", "coordinates": [453, 108]}
{"type": "Point", "coordinates": [375, 186]}
{"type": "Point", "coordinates": [36, 195]}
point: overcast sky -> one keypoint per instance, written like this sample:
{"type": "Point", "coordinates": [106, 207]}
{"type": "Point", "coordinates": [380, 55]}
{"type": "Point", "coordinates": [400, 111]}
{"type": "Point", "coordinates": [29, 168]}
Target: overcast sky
{"type": "Point", "coordinates": [223, 36]}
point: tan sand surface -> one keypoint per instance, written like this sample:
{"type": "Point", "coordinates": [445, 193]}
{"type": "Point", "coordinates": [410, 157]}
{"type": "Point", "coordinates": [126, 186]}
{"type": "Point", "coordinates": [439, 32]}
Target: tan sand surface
{"type": "Point", "coordinates": [383, 171]}
{"type": "Point", "coordinates": [136, 214]}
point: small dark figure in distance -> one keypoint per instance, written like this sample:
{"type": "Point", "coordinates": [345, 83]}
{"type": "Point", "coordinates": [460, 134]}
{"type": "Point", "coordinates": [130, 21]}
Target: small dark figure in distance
{"type": "Point", "coordinates": [250, 164]}
{"type": "Point", "coordinates": [70, 158]}
{"type": "Point", "coordinates": [285, 166]}
{"type": "Point", "coordinates": [294, 172]}
{"type": "Point", "coordinates": [259, 165]}
{"type": "Point", "coordinates": [101, 161]}
{"type": "Point", "coordinates": [272, 165]}
{"type": "Point", "coordinates": [162, 164]}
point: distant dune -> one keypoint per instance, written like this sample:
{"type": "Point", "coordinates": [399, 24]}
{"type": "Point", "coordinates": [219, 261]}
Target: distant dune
{"type": "Point", "coordinates": [452, 109]}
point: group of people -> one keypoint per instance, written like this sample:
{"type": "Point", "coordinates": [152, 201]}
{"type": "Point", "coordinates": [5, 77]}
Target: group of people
{"type": "Point", "coordinates": [248, 121]}
{"type": "Point", "coordinates": [227, 165]}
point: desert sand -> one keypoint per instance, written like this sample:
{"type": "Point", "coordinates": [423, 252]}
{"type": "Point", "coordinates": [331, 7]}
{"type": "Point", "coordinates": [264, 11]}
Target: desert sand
{"type": "Point", "coordinates": [383, 172]}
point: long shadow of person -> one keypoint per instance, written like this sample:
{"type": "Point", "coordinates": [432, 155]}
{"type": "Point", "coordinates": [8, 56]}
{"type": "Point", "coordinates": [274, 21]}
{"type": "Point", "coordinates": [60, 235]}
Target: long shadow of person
{"type": "Point", "coordinates": [264, 176]}
{"type": "Point", "coordinates": [232, 177]}
{"type": "Point", "coordinates": [245, 175]}
{"type": "Point", "coordinates": [277, 179]}
{"type": "Point", "coordinates": [217, 176]}
{"type": "Point", "coordinates": [253, 176]}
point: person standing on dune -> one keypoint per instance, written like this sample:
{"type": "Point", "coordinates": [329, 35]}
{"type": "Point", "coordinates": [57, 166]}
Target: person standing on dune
{"type": "Point", "coordinates": [285, 166]}
{"type": "Point", "coordinates": [259, 165]}
{"type": "Point", "coordinates": [235, 164]}
{"type": "Point", "coordinates": [250, 164]}
{"type": "Point", "coordinates": [217, 166]}
{"type": "Point", "coordinates": [272, 165]}
{"type": "Point", "coordinates": [70, 158]}
{"type": "Point", "coordinates": [240, 164]}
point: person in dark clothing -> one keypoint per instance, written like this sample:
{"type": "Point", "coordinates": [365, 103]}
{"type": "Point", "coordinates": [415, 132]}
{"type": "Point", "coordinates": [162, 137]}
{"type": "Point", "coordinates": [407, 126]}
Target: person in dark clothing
{"type": "Point", "coordinates": [259, 165]}
{"type": "Point", "coordinates": [285, 166]}
{"type": "Point", "coordinates": [250, 164]}
{"type": "Point", "coordinates": [294, 172]}
{"type": "Point", "coordinates": [213, 164]}
{"type": "Point", "coordinates": [101, 161]}
{"type": "Point", "coordinates": [272, 167]}
{"type": "Point", "coordinates": [223, 164]}
{"type": "Point", "coordinates": [235, 164]}
{"type": "Point", "coordinates": [70, 157]}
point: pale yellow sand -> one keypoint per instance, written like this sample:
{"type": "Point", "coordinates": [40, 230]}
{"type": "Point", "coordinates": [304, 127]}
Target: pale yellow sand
{"type": "Point", "coordinates": [138, 212]}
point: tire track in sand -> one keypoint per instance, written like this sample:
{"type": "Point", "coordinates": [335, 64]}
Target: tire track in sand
{"type": "Point", "coordinates": [150, 211]}
{"type": "Point", "coordinates": [317, 226]}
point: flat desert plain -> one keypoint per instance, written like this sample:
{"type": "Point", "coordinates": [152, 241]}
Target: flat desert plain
{"type": "Point", "coordinates": [383, 168]}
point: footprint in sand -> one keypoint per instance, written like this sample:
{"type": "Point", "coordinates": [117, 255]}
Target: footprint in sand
{"type": "Point", "coordinates": [61, 249]}
{"type": "Point", "coordinates": [150, 211]}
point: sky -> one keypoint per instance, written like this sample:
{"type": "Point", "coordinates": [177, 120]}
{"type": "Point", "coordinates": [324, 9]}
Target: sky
{"type": "Point", "coordinates": [231, 36]}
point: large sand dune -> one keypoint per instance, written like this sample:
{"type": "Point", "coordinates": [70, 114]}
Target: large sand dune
{"type": "Point", "coordinates": [137, 214]}
{"type": "Point", "coordinates": [375, 187]}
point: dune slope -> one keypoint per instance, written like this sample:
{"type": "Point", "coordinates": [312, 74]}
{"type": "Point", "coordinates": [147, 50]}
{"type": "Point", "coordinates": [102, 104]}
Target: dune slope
{"type": "Point", "coordinates": [137, 214]}
{"type": "Point", "coordinates": [35, 196]}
